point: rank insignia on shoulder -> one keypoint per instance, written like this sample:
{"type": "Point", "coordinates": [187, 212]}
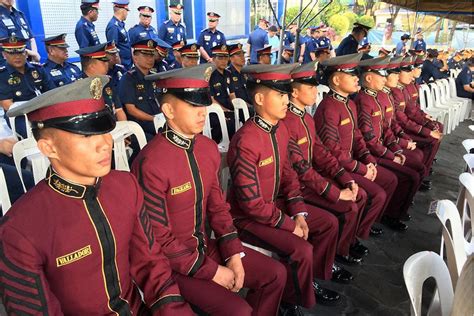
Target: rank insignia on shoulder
{"type": "Point", "coordinates": [96, 89]}
{"type": "Point", "coordinates": [207, 74]}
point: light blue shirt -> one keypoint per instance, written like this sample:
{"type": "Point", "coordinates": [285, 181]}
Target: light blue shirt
{"type": "Point", "coordinates": [275, 43]}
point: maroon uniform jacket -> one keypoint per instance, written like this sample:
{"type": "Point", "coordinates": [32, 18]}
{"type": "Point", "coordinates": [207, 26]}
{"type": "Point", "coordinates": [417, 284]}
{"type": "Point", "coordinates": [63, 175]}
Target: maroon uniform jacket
{"type": "Point", "coordinates": [373, 126]}
{"type": "Point", "coordinates": [385, 99]}
{"type": "Point", "coordinates": [400, 99]}
{"type": "Point", "coordinates": [413, 108]}
{"type": "Point", "coordinates": [311, 159]}
{"type": "Point", "coordinates": [336, 124]}
{"type": "Point", "coordinates": [81, 250]}
{"type": "Point", "coordinates": [179, 177]}
{"type": "Point", "coordinates": [261, 172]}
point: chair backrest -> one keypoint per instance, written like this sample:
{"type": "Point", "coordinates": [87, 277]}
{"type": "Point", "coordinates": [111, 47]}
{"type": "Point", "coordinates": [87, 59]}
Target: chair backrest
{"type": "Point", "coordinates": [436, 94]}
{"type": "Point", "coordinates": [469, 159]}
{"type": "Point", "coordinates": [442, 89]}
{"type": "Point", "coordinates": [467, 211]}
{"type": "Point", "coordinates": [468, 144]}
{"type": "Point", "coordinates": [217, 110]}
{"type": "Point", "coordinates": [122, 130]}
{"type": "Point", "coordinates": [28, 148]}
{"type": "Point", "coordinates": [420, 267]}
{"type": "Point", "coordinates": [426, 100]}
{"type": "Point", "coordinates": [453, 239]}
{"type": "Point", "coordinates": [5, 202]}
{"type": "Point", "coordinates": [452, 86]}
{"type": "Point", "coordinates": [159, 121]}
{"type": "Point", "coordinates": [240, 106]}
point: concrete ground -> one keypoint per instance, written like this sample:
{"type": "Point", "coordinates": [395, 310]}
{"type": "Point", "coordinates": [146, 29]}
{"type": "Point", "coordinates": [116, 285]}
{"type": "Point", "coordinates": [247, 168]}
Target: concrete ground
{"type": "Point", "coordinates": [378, 287]}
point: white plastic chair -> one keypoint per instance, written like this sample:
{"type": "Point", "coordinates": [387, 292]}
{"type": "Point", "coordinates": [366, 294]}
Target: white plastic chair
{"type": "Point", "coordinates": [439, 104]}
{"type": "Point", "coordinates": [5, 202]}
{"type": "Point", "coordinates": [468, 144]}
{"type": "Point", "coordinates": [453, 239]}
{"type": "Point", "coordinates": [446, 98]}
{"type": "Point", "coordinates": [28, 148]}
{"type": "Point", "coordinates": [469, 159]}
{"type": "Point", "coordinates": [420, 267]}
{"type": "Point", "coordinates": [159, 121]}
{"type": "Point", "coordinates": [452, 94]}
{"type": "Point", "coordinates": [216, 109]}
{"type": "Point", "coordinates": [122, 130]}
{"type": "Point", "coordinates": [240, 105]}
{"type": "Point", "coordinates": [427, 105]}
{"type": "Point", "coordinates": [471, 127]}
{"type": "Point", "coordinates": [467, 207]}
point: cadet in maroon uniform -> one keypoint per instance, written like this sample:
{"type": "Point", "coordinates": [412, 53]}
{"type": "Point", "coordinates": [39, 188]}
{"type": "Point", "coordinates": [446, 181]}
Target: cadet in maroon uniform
{"type": "Point", "coordinates": [178, 171]}
{"type": "Point", "coordinates": [337, 125]}
{"type": "Point", "coordinates": [376, 132]}
{"type": "Point", "coordinates": [261, 173]}
{"type": "Point", "coordinates": [81, 242]}
{"type": "Point", "coordinates": [326, 183]}
{"type": "Point", "coordinates": [413, 155]}
{"type": "Point", "coordinates": [427, 140]}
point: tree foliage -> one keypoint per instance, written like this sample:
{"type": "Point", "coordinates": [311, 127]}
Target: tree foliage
{"type": "Point", "coordinates": [339, 23]}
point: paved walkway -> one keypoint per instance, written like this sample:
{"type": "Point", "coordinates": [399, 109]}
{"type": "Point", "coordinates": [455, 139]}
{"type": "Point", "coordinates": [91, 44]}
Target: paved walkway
{"type": "Point", "coordinates": [378, 288]}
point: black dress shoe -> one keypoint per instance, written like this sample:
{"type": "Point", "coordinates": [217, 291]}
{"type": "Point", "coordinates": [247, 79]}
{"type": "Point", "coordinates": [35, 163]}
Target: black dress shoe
{"type": "Point", "coordinates": [424, 187]}
{"type": "Point", "coordinates": [359, 249]}
{"type": "Point", "coordinates": [375, 231]}
{"type": "Point", "coordinates": [325, 296]}
{"type": "Point", "coordinates": [427, 182]}
{"type": "Point", "coordinates": [349, 259]}
{"type": "Point", "coordinates": [290, 310]}
{"type": "Point", "coordinates": [405, 218]}
{"type": "Point", "coordinates": [394, 224]}
{"type": "Point", "coordinates": [341, 275]}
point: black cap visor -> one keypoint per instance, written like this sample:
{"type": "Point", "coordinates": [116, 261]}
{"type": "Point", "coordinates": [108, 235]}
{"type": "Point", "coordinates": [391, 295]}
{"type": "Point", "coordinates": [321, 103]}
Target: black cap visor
{"type": "Point", "coordinates": [393, 70]}
{"type": "Point", "coordinates": [194, 96]}
{"type": "Point", "coordinates": [406, 68]}
{"type": "Point", "coordinates": [96, 123]}
{"type": "Point", "coordinates": [312, 81]}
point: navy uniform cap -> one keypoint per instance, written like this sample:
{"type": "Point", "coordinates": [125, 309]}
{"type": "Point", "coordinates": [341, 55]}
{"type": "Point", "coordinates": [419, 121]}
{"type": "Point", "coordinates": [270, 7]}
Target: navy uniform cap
{"type": "Point", "coordinates": [276, 77]}
{"type": "Point", "coordinates": [176, 6]}
{"type": "Point", "coordinates": [267, 50]}
{"type": "Point", "coordinates": [188, 84]}
{"type": "Point", "coordinates": [145, 10]}
{"type": "Point", "coordinates": [56, 41]}
{"type": "Point", "coordinates": [213, 15]}
{"type": "Point", "coordinates": [123, 4]}
{"type": "Point", "coordinates": [77, 108]}
{"type": "Point", "coordinates": [345, 63]}
{"type": "Point", "coordinates": [220, 50]}
{"type": "Point", "coordinates": [306, 73]}
{"type": "Point", "coordinates": [235, 49]}
{"type": "Point", "coordinates": [94, 52]}
{"type": "Point", "coordinates": [190, 50]}
{"type": "Point", "coordinates": [145, 46]}
{"type": "Point", "coordinates": [376, 65]}
{"type": "Point", "coordinates": [89, 2]}
{"type": "Point", "coordinates": [366, 27]}
{"type": "Point", "coordinates": [13, 45]}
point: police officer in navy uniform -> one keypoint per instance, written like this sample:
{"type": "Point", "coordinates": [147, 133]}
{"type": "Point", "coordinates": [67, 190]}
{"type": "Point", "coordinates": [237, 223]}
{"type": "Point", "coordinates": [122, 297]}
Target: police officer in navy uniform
{"type": "Point", "coordinates": [175, 50]}
{"type": "Point", "coordinates": [264, 55]}
{"type": "Point", "coordinates": [95, 62]}
{"type": "Point", "coordinates": [115, 31]}
{"type": "Point", "coordinates": [138, 95]}
{"type": "Point", "coordinates": [420, 43]}
{"type": "Point", "coordinates": [324, 38]}
{"type": "Point", "coordinates": [161, 65]}
{"type": "Point", "coordinates": [258, 39]}
{"type": "Point", "coordinates": [20, 80]}
{"type": "Point", "coordinates": [287, 55]}
{"type": "Point", "coordinates": [210, 37]}
{"type": "Point", "coordinates": [115, 72]}
{"type": "Point", "coordinates": [14, 23]}
{"type": "Point", "coordinates": [430, 70]}
{"type": "Point", "coordinates": [238, 80]}
{"type": "Point", "coordinates": [465, 79]}
{"type": "Point", "coordinates": [57, 67]}
{"type": "Point", "coordinates": [143, 29]}
{"type": "Point", "coordinates": [365, 47]}
{"type": "Point", "coordinates": [350, 44]}
{"type": "Point", "coordinates": [85, 29]}
{"type": "Point", "coordinates": [83, 223]}
{"type": "Point", "coordinates": [173, 30]}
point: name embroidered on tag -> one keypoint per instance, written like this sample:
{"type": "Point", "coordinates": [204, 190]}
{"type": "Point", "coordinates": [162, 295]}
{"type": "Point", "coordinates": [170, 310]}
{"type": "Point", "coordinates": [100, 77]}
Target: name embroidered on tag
{"type": "Point", "coordinates": [181, 189]}
{"type": "Point", "coordinates": [345, 121]}
{"type": "Point", "coordinates": [265, 162]}
{"type": "Point", "coordinates": [303, 140]}
{"type": "Point", "coordinates": [74, 256]}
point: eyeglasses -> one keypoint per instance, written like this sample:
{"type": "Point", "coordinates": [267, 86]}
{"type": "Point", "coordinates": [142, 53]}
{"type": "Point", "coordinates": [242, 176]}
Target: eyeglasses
{"type": "Point", "coordinates": [177, 12]}
{"type": "Point", "coordinates": [213, 20]}
{"type": "Point", "coordinates": [145, 16]}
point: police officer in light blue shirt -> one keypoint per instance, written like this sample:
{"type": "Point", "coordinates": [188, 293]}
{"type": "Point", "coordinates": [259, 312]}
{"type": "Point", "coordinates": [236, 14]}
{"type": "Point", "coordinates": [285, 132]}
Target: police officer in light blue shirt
{"type": "Point", "coordinates": [116, 32]}
{"type": "Point", "coordinates": [420, 43]}
{"type": "Point", "coordinates": [210, 37]}
{"type": "Point", "coordinates": [400, 50]}
{"type": "Point", "coordinates": [85, 33]}
{"type": "Point", "coordinates": [143, 29]}
{"type": "Point", "coordinates": [14, 23]}
{"type": "Point", "coordinates": [257, 40]}
{"type": "Point", "coordinates": [58, 69]}
{"type": "Point", "coordinates": [173, 30]}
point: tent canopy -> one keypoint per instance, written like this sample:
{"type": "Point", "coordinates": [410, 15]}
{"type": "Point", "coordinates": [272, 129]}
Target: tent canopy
{"type": "Point", "coordinates": [459, 10]}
